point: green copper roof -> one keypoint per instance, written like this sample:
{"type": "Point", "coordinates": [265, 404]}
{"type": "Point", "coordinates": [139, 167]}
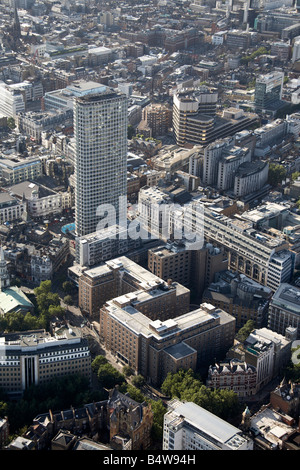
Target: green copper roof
{"type": "Point", "coordinates": [13, 298]}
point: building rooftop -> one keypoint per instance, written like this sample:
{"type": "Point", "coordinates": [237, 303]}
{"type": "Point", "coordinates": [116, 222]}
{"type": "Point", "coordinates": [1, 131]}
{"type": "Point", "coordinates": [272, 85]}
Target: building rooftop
{"type": "Point", "coordinates": [132, 318]}
{"type": "Point", "coordinates": [180, 350]}
{"type": "Point", "coordinates": [27, 189]}
{"type": "Point", "coordinates": [13, 298]}
{"type": "Point", "coordinates": [269, 424]}
{"type": "Point", "coordinates": [15, 161]}
{"type": "Point", "coordinates": [210, 424]}
{"type": "Point", "coordinates": [39, 339]}
{"type": "Point", "coordinates": [287, 297]}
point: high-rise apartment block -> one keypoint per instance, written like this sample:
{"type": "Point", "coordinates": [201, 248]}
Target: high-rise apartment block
{"type": "Point", "coordinates": [221, 160]}
{"type": "Point", "coordinates": [100, 130]}
{"type": "Point", "coordinates": [188, 426]}
{"type": "Point", "coordinates": [156, 120]}
{"type": "Point", "coordinates": [97, 247]}
{"type": "Point", "coordinates": [193, 114]}
{"type": "Point", "coordinates": [250, 177]}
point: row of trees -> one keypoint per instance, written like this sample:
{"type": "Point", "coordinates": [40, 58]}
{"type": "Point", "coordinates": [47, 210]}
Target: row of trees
{"type": "Point", "coordinates": [109, 377]}
{"type": "Point", "coordinates": [47, 306]}
{"type": "Point", "coordinates": [277, 174]}
{"type": "Point", "coordinates": [248, 58]}
{"type": "Point", "coordinates": [59, 394]}
{"type": "Point", "coordinates": [187, 386]}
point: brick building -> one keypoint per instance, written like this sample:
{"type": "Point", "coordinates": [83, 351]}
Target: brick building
{"type": "Point", "coordinates": [233, 375]}
{"type": "Point", "coordinates": [155, 347]}
{"type": "Point", "coordinates": [286, 398]}
{"type": "Point", "coordinates": [123, 276]}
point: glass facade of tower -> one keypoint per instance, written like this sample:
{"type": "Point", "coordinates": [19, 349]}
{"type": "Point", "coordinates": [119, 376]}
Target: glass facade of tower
{"type": "Point", "coordinates": [268, 91]}
{"type": "Point", "coordinates": [100, 128]}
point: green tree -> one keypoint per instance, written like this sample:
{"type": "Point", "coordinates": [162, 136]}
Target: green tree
{"type": "Point", "coordinates": [56, 311]}
{"type": "Point", "coordinates": [11, 123]}
{"type": "Point", "coordinates": [295, 175]}
{"type": "Point", "coordinates": [48, 303]}
{"type": "Point", "coordinates": [138, 381]}
{"type": "Point", "coordinates": [15, 321]}
{"type": "Point", "coordinates": [186, 386]}
{"type": "Point", "coordinates": [135, 393]}
{"type": "Point", "coordinates": [277, 174]}
{"type": "Point", "coordinates": [60, 393]}
{"type": "Point", "coordinates": [109, 377]}
{"type": "Point", "coordinates": [159, 410]}
{"type": "Point", "coordinates": [67, 287]}
{"type": "Point", "coordinates": [175, 384]}
{"type": "Point", "coordinates": [127, 371]}
{"type": "Point", "coordinates": [98, 362]}
{"type": "Point", "coordinates": [3, 409]}
{"type": "Point", "coordinates": [245, 331]}
{"type": "Point", "coordinates": [31, 322]}
{"type": "Point", "coordinates": [68, 299]}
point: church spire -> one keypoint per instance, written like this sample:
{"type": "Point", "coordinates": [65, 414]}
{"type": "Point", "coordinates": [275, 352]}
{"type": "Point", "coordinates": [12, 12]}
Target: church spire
{"type": "Point", "coordinates": [16, 28]}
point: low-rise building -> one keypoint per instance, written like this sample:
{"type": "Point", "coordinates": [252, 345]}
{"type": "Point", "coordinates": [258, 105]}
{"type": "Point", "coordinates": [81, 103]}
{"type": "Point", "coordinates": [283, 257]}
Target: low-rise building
{"type": "Point", "coordinates": [270, 429]}
{"type": "Point", "coordinates": [266, 350]}
{"type": "Point", "coordinates": [124, 423]}
{"type": "Point", "coordinates": [240, 296]}
{"type": "Point", "coordinates": [33, 123]}
{"type": "Point", "coordinates": [14, 169]}
{"type": "Point", "coordinates": [45, 261]}
{"type": "Point", "coordinates": [36, 357]}
{"type": "Point", "coordinates": [11, 208]}
{"type": "Point", "coordinates": [188, 426]}
{"type": "Point", "coordinates": [286, 398]}
{"type": "Point", "coordinates": [41, 200]}
{"type": "Point", "coordinates": [233, 375]}
{"type": "Point", "coordinates": [284, 310]}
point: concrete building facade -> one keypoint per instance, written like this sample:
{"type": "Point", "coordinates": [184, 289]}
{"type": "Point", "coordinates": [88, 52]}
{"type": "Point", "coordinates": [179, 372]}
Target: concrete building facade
{"type": "Point", "coordinates": [188, 426]}
{"type": "Point", "coordinates": [284, 310]}
{"type": "Point", "coordinates": [100, 129]}
{"type": "Point", "coordinates": [36, 357]}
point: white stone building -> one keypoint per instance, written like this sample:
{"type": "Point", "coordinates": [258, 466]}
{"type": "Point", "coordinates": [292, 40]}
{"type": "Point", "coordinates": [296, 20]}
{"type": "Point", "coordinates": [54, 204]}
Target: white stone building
{"type": "Point", "coordinates": [188, 426]}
